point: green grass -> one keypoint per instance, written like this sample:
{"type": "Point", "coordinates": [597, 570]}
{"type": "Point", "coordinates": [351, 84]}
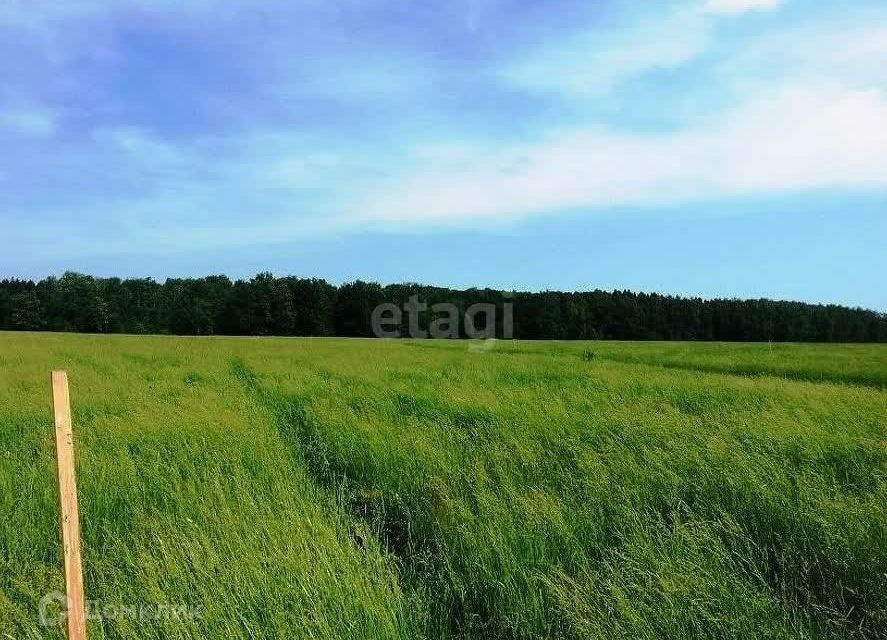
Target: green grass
{"type": "Point", "coordinates": [849, 363]}
{"type": "Point", "coordinates": [301, 488]}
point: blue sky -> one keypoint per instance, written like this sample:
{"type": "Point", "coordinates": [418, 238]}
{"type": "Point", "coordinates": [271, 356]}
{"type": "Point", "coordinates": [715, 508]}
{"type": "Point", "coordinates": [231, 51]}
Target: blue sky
{"type": "Point", "coordinates": [704, 147]}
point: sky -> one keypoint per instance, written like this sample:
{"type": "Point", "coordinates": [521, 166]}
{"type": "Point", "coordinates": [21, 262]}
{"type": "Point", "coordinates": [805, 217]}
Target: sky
{"type": "Point", "coordinates": [715, 148]}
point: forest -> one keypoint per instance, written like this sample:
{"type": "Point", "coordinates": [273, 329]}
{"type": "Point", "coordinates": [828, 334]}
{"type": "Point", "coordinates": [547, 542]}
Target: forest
{"type": "Point", "coordinates": [292, 306]}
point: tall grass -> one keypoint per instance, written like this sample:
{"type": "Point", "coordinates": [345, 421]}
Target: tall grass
{"type": "Point", "coordinates": [348, 488]}
{"type": "Point", "coordinates": [189, 496]}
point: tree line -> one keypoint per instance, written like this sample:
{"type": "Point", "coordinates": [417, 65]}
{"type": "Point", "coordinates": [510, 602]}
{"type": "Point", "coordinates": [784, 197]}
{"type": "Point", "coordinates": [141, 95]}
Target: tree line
{"type": "Point", "coordinates": [291, 306]}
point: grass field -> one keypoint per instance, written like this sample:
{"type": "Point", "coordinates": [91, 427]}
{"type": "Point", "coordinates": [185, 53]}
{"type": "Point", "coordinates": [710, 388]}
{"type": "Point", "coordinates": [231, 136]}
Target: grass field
{"type": "Point", "coordinates": [308, 488]}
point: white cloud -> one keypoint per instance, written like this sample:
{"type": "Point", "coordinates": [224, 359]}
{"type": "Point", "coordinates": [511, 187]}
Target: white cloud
{"type": "Point", "coordinates": [31, 14]}
{"type": "Point", "coordinates": [809, 105]}
{"type": "Point", "coordinates": [798, 138]}
{"type": "Point", "coordinates": [139, 144]}
{"type": "Point", "coordinates": [26, 14]}
{"type": "Point", "coordinates": [291, 171]}
{"type": "Point", "coordinates": [172, 195]}
{"type": "Point", "coordinates": [31, 122]}
{"type": "Point", "coordinates": [847, 50]}
{"type": "Point", "coordinates": [594, 61]}
{"type": "Point", "coordinates": [736, 7]}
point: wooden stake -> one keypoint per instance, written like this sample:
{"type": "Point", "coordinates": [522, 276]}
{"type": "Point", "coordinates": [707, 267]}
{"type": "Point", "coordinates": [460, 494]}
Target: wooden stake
{"type": "Point", "coordinates": [70, 518]}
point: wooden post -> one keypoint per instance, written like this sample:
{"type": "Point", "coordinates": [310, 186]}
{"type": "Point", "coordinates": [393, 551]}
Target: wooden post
{"type": "Point", "coordinates": [70, 518]}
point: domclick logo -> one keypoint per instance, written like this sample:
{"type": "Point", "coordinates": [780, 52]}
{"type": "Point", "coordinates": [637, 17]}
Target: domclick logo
{"type": "Point", "coordinates": [443, 320]}
{"type": "Point", "coordinates": [53, 607]}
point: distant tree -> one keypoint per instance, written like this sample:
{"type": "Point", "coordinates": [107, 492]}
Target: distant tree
{"type": "Point", "coordinates": [314, 306]}
{"type": "Point", "coordinates": [265, 305]}
{"type": "Point", "coordinates": [354, 306]}
{"type": "Point", "coordinates": [27, 312]}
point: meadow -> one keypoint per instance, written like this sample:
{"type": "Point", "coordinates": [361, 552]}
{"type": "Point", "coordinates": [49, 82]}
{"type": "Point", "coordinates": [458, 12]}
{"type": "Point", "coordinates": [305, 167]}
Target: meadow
{"type": "Point", "coordinates": [347, 488]}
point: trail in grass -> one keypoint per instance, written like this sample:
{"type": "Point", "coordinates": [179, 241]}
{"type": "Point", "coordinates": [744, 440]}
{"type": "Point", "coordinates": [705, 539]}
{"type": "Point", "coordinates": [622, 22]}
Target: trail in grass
{"type": "Point", "coordinates": [187, 497]}
{"type": "Point", "coordinates": [863, 365]}
{"type": "Point", "coordinates": [835, 364]}
{"type": "Point", "coordinates": [874, 381]}
{"type": "Point", "coordinates": [369, 489]}
{"type": "Point", "coordinates": [630, 523]}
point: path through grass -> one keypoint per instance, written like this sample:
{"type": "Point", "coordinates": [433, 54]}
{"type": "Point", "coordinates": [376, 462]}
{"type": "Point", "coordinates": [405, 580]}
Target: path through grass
{"type": "Point", "coordinates": [349, 488]}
